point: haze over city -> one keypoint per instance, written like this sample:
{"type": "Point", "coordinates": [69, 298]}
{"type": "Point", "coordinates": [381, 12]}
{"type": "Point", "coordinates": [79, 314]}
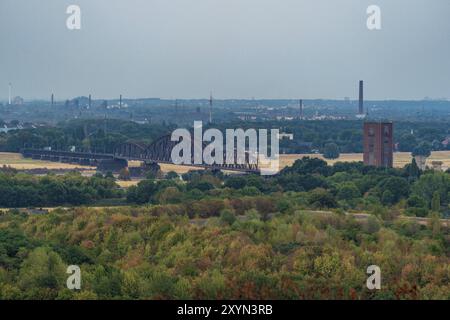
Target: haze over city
{"type": "Point", "coordinates": [238, 49]}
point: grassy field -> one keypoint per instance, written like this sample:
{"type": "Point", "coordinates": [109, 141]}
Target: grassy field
{"type": "Point", "coordinates": [400, 158]}
{"type": "Point", "coordinates": [16, 161]}
{"type": "Point", "coordinates": [127, 183]}
{"type": "Point", "coordinates": [167, 167]}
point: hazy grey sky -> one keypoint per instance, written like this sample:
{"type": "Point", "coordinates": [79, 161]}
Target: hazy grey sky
{"type": "Point", "coordinates": [236, 48]}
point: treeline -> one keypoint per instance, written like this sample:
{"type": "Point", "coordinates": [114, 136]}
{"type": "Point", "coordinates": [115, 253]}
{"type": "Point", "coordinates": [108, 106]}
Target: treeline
{"type": "Point", "coordinates": [94, 135]}
{"type": "Point", "coordinates": [128, 253]}
{"type": "Point", "coordinates": [311, 182]}
{"type": "Point", "coordinates": [309, 136]}
{"type": "Point", "coordinates": [18, 190]}
{"type": "Point", "coordinates": [348, 135]}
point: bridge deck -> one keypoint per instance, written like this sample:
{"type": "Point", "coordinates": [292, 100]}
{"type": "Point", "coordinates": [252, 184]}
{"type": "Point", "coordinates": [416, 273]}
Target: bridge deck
{"type": "Point", "coordinates": [87, 158]}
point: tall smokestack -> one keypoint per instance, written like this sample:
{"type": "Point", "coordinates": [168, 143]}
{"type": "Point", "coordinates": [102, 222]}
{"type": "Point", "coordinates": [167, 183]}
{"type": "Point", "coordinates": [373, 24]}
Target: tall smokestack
{"type": "Point", "coordinates": [52, 99]}
{"type": "Point", "coordinates": [90, 101]}
{"type": "Point", "coordinates": [301, 108]}
{"type": "Point", "coordinates": [120, 101]}
{"type": "Point", "coordinates": [210, 107]}
{"type": "Point", "coordinates": [9, 93]}
{"type": "Point", "coordinates": [361, 98]}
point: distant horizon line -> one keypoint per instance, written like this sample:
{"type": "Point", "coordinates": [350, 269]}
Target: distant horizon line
{"type": "Point", "coordinates": [345, 99]}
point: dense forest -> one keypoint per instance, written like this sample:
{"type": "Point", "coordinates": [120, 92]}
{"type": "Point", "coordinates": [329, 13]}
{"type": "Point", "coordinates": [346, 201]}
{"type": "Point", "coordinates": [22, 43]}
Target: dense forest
{"type": "Point", "coordinates": [310, 136]}
{"type": "Point", "coordinates": [152, 252]}
{"type": "Point", "coordinates": [206, 235]}
{"type": "Point", "coordinates": [311, 182]}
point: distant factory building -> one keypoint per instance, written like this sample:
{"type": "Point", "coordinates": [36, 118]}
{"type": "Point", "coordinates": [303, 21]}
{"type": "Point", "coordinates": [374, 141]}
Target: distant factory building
{"type": "Point", "coordinates": [378, 144]}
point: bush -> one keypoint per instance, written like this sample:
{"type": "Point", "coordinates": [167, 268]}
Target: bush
{"type": "Point", "coordinates": [321, 198]}
{"type": "Point", "coordinates": [228, 217]}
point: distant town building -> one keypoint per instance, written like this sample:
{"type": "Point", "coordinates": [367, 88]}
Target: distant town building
{"type": "Point", "coordinates": [446, 143]}
{"type": "Point", "coordinates": [6, 127]}
{"type": "Point", "coordinates": [18, 101]}
{"type": "Point", "coordinates": [282, 136]}
{"type": "Point", "coordinates": [378, 144]}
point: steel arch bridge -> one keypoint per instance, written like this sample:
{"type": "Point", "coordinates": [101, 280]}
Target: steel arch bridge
{"type": "Point", "coordinates": [160, 151]}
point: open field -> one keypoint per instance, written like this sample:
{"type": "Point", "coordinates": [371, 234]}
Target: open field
{"type": "Point", "coordinates": [400, 158]}
{"type": "Point", "coordinates": [127, 183]}
{"type": "Point", "coordinates": [167, 167]}
{"type": "Point", "coordinates": [16, 161]}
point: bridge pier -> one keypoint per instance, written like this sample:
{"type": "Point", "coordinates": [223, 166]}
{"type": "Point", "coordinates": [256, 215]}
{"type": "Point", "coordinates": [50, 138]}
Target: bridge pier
{"type": "Point", "coordinates": [75, 161]}
{"type": "Point", "coordinates": [85, 162]}
{"type": "Point", "coordinates": [112, 165]}
{"type": "Point", "coordinates": [144, 168]}
{"type": "Point", "coordinates": [151, 166]}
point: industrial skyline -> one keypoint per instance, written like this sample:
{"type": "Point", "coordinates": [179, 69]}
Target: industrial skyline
{"type": "Point", "coordinates": [271, 50]}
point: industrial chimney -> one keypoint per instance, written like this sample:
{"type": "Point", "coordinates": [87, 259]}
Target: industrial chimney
{"type": "Point", "coordinates": [361, 98]}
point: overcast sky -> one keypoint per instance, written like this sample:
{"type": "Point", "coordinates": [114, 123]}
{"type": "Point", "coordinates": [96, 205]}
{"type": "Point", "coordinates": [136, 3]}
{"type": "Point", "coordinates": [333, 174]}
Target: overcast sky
{"type": "Point", "coordinates": [236, 48]}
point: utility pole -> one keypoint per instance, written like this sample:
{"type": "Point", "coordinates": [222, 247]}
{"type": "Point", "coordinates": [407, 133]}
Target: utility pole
{"type": "Point", "coordinates": [9, 93]}
{"type": "Point", "coordinates": [301, 108]}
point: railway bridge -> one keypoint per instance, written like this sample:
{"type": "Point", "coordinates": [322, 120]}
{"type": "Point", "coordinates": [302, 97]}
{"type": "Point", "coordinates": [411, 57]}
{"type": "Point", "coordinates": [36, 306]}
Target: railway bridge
{"type": "Point", "coordinates": [157, 152]}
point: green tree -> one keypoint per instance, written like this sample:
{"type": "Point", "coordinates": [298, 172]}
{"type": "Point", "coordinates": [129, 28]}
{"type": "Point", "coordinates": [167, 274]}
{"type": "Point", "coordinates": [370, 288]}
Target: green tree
{"type": "Point", "coordinates": [398, 188]}
{"type": "Point", "coordinates": [331, 151]}
{"type": "Point", "coordinates": [413, 169]}
{"type": "Point", "coordinates": [171, 175]}
{"type": "Point", "coordinates": [436, 202]}
{"type": "Point", "coordinates": [321, 198]}
{"type": "Point", "coordinates": [143, 192]}
{"type": "Point", "coordinates": [423, 149]}
{"type": "Point", "coordinates": [430, 183]}
{"type": "Point", "coordinates": [415, 201]}
{"type": "Point", "coordinates": [43, 269]}
{"type": "Point", "coordinates": [227, 216]}
{"type": "Point", "coordinates": [387, 197]}
{"type": "Point", "coordinates": [348, 191]}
